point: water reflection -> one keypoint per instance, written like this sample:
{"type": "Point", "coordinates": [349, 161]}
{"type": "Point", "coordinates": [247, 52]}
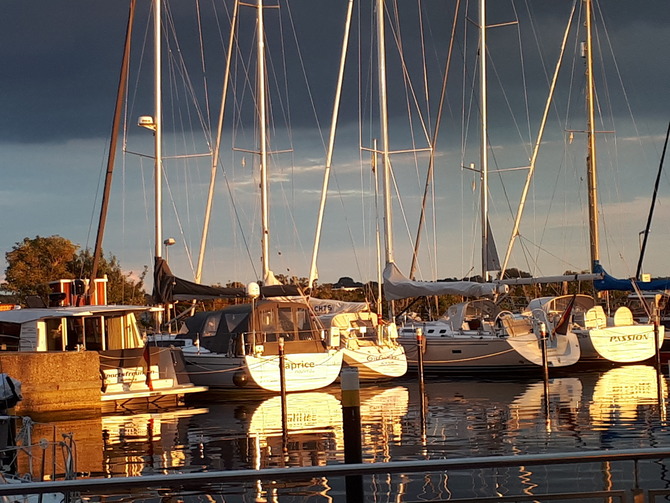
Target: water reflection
{"type": "Point", "coordinates": [621, 392]}
{"type": "Point", "coordinates": [614, 409]}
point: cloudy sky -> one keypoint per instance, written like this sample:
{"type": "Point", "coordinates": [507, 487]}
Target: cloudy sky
{"type": "Point", "coordinates": [60, 65]}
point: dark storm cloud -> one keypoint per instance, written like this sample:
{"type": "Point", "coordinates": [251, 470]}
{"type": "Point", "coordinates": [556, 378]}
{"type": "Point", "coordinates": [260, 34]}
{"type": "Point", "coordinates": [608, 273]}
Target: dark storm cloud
{"type": "Point", "coordinates": [60, 60]}
{"type": "Point", "coordinates": [59, 65]}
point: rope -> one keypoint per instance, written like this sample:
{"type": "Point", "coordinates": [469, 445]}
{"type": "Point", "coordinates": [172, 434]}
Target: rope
{"type": "Point", "coordinates": [464, 359]}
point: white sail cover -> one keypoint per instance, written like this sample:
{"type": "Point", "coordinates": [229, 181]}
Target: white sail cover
{"type": "Point", "coordinates": [397, 286]}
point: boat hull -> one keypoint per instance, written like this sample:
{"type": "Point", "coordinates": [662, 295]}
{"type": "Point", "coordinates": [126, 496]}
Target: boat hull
{"type": "Point", "coordinates": [620, 344]}
{"type": "Point", "coordinates": [562, 350]}
{"type": "Point", "coordinates": [302, 371]}
{"type": "Point", "coordinates": [454, 354]}
{"type": "Point", "coordinates": [377, 362]}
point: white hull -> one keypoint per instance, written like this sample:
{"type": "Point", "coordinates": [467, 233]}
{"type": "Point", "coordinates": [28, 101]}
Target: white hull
{"type": "Point", "coordinates": [377, 362]}
{"type": "Point", "coordinates": [444, 354]}
{"type": "Point", "coordinates": [562, 350]}
{"type": "Point", "coordinates": [302, 371]}
{"type": "Point", "coordinates": [621, 344]}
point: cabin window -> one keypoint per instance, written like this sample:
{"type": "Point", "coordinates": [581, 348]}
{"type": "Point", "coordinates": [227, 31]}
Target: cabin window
{"type": "Point", "coordinates": [9, 336]}
{"type": "Point", "coordinates": [268, 324]}
{"type": "Point", "coordinates": [303, 324]}
{"type": "Point", "coordinates": [286, 324]}
{"type": "Point", "coordinates": [54, 331]}
{"type": "Point", "coordinates": [211, 326]}
{"type": "Point", "coordinates": [74, 334]}
{"type": "Point", "coordinates": [93, 334]}
{"type": "Point", "coordinates": [233, 320]}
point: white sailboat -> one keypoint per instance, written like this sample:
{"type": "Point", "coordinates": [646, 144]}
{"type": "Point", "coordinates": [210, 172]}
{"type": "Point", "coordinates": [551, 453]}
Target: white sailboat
{"type": "Point", "coordinates": [367, 343]}
{"type": "Point", "coordinates": [617, 338]}
{"type": "Point", "coordinates": [477, 335]}
{"type": "Point", "coordinates": [264, 345]}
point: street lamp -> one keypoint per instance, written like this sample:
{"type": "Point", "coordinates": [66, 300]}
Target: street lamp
{"type": "Point", "coordinates": [168, 242]}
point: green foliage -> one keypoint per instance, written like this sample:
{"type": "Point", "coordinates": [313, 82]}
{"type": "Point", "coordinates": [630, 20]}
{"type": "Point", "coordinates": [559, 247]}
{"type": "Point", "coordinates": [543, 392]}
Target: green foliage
{"type": "Point", "coordinates": [121, 288]}
{"type": "Point", "coordinates": [33, 263]}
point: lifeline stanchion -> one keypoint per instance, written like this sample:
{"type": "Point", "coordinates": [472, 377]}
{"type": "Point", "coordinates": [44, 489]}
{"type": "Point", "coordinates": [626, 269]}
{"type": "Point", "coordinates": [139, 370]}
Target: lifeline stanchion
{"type": "Point", "coordinates": [351, 425]}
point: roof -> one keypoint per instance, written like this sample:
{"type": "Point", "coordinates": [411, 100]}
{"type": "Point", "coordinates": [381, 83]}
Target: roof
{"type": "Point", "coordinates": [33, 314]}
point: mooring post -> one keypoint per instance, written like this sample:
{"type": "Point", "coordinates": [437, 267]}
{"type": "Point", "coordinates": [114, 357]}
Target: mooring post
{"type": "Point", "coordinates": [351, 424]}
{"type": "Point", "coordinates": [545, 367]}
{"type": "Point", "coordinates": [419, 353]}
{"type": "Point", "coordinates": [422, 388]}
{"type": "Point", "coordinates": [282, 388]}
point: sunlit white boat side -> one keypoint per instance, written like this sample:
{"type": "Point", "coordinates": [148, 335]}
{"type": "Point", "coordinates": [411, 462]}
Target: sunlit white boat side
{"type": "Point", "coordinates": [478, 336]}
{"type": "Point", "coordinates": [368, 345]}
{"type": "Point", "coordinates": [239, 348]}
{"type": "Point", "coordinates": [617, 339]}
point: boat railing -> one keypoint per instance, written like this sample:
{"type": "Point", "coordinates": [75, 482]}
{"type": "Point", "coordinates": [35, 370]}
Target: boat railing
{"type": "Point", "coordinates": [628, 487]}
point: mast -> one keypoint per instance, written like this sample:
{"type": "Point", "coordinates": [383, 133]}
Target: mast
{"type": "Point", "coordinates": [647, 228]}
{"type": "Point", "coordinates": [158, 132]}
{"type": "Point", "coordinates": [123, 78]}
{"type": "Point", "coordinates": [484, 162]}
{"type": "Point", "coordinates": [536, 149]}
{"type": "Point", "coordinates": [383, 117]}
{"type": "Point", "coordinates": [313, 275]}
{"type": "Point", "coordinates": [591, 142]}
{"type": "Point", "coordinates": [217, 148]}
{"type": "Point", "coordinates": [386, 164]}
{"type": "Point", "coordinates": [262, 120]}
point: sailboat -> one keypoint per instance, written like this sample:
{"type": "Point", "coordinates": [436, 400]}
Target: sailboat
{"type": "Point", "coordinates": [477, 335]}
{"type": "Point", "coordinates": [617, 338]}
{"type": "Point", "coordinates": [367, 342]}
{"type": "Point", "coordinates": [267, 344]}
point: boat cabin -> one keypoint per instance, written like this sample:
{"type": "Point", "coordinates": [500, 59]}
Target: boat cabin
{"type": "Point", "coordinates": [255, 327]}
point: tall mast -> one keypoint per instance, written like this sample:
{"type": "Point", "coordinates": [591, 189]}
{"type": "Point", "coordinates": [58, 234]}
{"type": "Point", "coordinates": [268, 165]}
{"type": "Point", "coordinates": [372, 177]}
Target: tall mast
{"type": "Point", "coordinates": [383, 117]}
{"type": "Point", "coordinates": [121, 91]}
{"type": "Point", "coordinates": [591, 141]}
{"type": "Point", "coordinates": [386, 162]}
{"type": "Point", "coordinates": [331, 143]}
{"type": "Point", "coordinates": [260, 80]}
{"type": "Point", "coordinates": [158, 132]}
{"type": "Point", "coordinates": [484, 161]}
{"type": "Point", "coordinates": [217, 147]}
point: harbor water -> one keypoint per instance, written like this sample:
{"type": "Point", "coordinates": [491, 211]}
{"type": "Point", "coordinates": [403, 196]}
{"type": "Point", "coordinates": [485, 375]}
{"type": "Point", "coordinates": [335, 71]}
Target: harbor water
{"type": "Point", "coordinates": [608, 409]}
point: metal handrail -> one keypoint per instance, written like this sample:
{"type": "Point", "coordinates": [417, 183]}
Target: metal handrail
{"type": "Point", "coordinates": [123, 484]}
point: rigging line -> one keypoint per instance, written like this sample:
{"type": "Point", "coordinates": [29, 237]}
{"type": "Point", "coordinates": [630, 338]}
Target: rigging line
{"type": "Point", "coordinates": [208, 120]}
{"type": "Point", "coordinates": [407, 81]}
{"type": "Point", "coordinates": [400, 203]}
{"type": "Point", "coordinates": [523, 75]}
{"type": "Point", "coordinates": [424, 59]}
{"type": "Point", "coordinates": [181, 70]}
{"type": "Point", "coordinates": [178, 220]}
{"type": "Point", "coordinates": [304, 74]}
{"type": "Point", "coordinates": [507, 102]}
{"type": "Point", "coordinates": [431, 162]}
{"type": "Point", "coordinates": [238, 220]}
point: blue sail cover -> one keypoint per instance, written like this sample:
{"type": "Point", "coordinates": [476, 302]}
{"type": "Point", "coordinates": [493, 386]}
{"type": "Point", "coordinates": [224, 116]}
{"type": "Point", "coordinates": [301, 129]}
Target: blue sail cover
{"type": "Point", "coordinates": [626, 285]}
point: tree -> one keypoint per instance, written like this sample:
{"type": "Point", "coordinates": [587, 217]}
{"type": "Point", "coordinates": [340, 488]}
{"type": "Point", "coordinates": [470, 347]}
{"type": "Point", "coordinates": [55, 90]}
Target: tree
{"type": "Point", "coordinates": [121, 288]}
{"type": "Point", "coordinates": [33, 263]}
